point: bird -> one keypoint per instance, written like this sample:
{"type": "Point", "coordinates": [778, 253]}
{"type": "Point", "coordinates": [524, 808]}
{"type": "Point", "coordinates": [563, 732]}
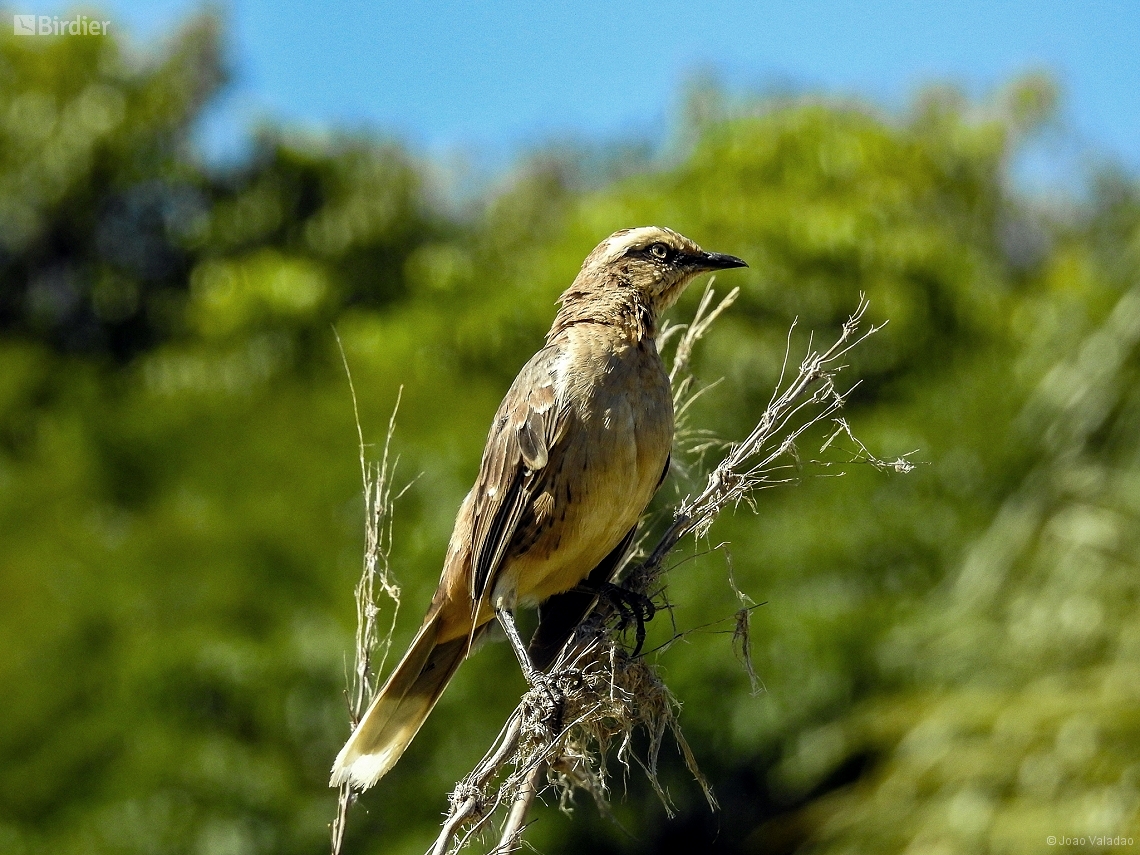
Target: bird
{"type": "Point", "coordinates": [576, 450]}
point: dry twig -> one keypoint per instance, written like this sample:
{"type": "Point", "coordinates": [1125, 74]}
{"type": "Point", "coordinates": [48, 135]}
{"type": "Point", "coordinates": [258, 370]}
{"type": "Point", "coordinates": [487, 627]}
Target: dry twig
{"type": "Point", "coordinates": [379, 499]}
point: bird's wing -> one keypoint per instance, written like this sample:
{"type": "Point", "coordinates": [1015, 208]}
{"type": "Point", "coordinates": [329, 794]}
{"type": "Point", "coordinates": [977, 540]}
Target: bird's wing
{"type": "Point", "coordinates": [521, 456]}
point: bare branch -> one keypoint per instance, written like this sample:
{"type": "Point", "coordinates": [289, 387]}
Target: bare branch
{"type": "Point", "coordinates": [516, 820]}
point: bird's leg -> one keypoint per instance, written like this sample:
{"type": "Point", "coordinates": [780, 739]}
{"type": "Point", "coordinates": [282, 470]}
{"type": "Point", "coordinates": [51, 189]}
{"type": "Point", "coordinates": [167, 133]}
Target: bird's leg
{"type": "Point", "coordinates": [534, 677]}
{"type": "Point", "coordinates": [507, 621]}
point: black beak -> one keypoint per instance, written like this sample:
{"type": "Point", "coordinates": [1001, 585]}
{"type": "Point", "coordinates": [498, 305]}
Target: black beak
{"type": "Point", "coordinates": [718, 261]}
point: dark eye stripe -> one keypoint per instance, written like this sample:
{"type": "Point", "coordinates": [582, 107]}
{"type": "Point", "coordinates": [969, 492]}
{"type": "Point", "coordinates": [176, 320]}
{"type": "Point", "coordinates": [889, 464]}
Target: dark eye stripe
{"type": "Point", "coordinates": [647, 252]}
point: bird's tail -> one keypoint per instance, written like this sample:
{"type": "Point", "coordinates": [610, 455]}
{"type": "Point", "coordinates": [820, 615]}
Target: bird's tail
{"type": "Point", "coordinates": [400, 708]}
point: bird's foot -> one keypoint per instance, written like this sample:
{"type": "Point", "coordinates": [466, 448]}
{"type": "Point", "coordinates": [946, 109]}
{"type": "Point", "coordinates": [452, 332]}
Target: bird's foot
{"type": "Point", "coordinates": [633, 609]}
{"type": "Point", "coordinates": [546, 701]}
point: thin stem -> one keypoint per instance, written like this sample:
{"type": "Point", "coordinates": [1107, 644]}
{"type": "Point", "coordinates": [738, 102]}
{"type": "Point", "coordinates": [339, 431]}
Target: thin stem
{"type": "Point", "coordinates": [520, 808]}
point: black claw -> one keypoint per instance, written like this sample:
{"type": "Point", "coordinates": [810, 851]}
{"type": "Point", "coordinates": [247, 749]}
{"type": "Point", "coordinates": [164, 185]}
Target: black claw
{"type": "Point", "coordinates": [633, 609]}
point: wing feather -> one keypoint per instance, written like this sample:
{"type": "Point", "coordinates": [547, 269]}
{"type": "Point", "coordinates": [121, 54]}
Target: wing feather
{"type": "Point", "coordinates": [525, 436]}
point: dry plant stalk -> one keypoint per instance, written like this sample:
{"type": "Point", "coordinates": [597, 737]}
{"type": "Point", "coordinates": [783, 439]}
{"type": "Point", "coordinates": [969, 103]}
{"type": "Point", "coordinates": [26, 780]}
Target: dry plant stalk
{"type": "Point", "coordinates": [606, 693]}
{"type": "Point", "coordinates": [376, 573]}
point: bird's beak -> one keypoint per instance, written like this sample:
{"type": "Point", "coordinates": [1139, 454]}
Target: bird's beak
{"type": "Point", "coordinates": [717, 261]}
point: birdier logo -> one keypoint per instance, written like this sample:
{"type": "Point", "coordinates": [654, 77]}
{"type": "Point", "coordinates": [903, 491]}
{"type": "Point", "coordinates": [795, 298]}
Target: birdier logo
{"type": "Point", "coordinates": [53, 25]}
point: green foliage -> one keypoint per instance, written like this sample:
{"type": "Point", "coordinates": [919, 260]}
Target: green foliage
{"type": "Point", "coordinates": [949, 657]}
{"type": "Point", "coordinates": [1015, 714]}
{"type": "Point", "coordinates": [98, 191]}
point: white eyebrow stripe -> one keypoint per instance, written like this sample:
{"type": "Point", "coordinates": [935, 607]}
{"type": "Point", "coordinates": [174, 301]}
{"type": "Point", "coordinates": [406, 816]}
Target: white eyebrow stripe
{"type": "Point", "coordinates": [617, 245]}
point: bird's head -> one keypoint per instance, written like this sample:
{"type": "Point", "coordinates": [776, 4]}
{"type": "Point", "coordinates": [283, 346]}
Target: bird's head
{"type": "Point", "coordinates": [657, 262]}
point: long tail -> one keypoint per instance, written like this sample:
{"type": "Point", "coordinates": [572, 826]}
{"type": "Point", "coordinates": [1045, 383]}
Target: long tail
{"type": "Point", "coordinates": [399, 709]}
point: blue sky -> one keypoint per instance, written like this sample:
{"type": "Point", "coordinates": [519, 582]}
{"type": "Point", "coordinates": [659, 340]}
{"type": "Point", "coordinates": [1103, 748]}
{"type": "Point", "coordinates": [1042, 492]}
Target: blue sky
{"type": "Point", "coordinates": [496, 77]}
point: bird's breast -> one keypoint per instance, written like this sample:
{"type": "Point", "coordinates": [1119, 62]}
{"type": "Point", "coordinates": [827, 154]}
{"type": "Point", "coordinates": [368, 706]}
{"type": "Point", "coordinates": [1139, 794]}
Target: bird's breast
{"type": "Point", "coordinates": [610, 463]}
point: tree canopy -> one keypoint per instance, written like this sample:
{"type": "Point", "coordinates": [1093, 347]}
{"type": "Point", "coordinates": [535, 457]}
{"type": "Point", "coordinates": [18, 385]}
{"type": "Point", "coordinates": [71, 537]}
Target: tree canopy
{"type": "Point", "coordinates": [950, 659]}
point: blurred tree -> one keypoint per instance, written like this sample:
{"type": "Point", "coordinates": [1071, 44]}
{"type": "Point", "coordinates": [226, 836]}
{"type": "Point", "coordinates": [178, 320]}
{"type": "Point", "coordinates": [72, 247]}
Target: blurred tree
{"type": "Point", "coordinates": [1015, 714]}
{"type": "Point", "coordinates": [98, 189]}
{"type": "Point", "coordinates": [179, 504]}
{"type": "Point", "coordinates": [149, 307]}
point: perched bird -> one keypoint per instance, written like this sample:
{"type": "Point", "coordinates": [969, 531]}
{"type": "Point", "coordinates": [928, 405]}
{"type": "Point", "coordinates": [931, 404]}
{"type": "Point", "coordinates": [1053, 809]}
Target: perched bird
{"type": "Point", "coordinates": [577, 449]}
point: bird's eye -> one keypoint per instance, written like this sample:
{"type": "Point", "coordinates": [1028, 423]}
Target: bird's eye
{"type": "Point", "coordinates": [659, 250]}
